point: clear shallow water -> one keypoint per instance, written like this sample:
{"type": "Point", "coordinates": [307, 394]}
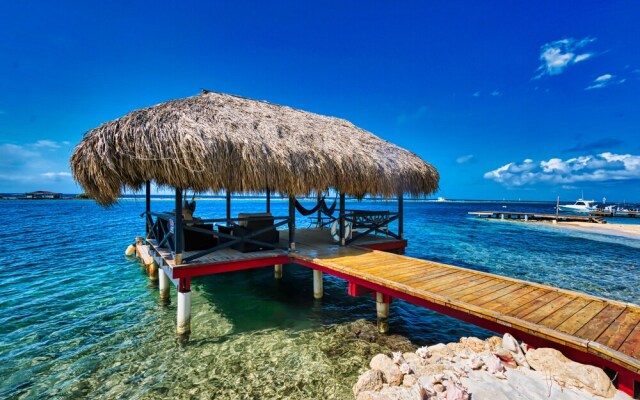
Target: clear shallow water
{"type": "Point", "coordinates": [78, 319]}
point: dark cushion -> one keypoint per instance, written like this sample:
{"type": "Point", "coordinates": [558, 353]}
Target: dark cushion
{"type": "Point", "coordinates": [199, 240]}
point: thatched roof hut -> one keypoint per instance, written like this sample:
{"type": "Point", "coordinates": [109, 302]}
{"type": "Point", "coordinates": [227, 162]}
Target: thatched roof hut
{"type": "Point", "coordinates": [215, 142]}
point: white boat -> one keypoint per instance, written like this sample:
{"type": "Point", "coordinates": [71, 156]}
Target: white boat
{"type": "Point", "coordinates": [580, 206]}
{"type": "Point", "coordinates": [441, 199]}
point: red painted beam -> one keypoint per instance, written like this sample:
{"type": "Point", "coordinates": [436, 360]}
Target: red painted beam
{"type": "Point", "coordinates": [356, 290]}
{"type": "Point", "coordinates": [210, 269]}
{"type": "Point", "coordinates": [392, 247]}
{"type": "Point", "coordinates": [626, 378]}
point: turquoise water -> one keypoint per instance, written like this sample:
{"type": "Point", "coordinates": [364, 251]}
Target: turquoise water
{"type": "Point", "coordinates": [78, 319]}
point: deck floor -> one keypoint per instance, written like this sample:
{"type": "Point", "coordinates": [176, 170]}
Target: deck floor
{"type": "Point", "coordinates": [310, 237]}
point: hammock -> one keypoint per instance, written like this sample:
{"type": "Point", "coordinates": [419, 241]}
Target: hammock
{"type": "Point", "coordinates": [306, 212]}
{"type": "Point", "coordinates": [328, 210]}
{"type": "Point", "coordinates": [322, 206]}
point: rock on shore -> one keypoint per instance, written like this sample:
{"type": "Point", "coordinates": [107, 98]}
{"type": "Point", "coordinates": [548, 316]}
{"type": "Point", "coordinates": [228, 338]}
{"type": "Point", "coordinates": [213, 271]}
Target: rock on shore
{"type": "Point", "coordinates": [494, 369]}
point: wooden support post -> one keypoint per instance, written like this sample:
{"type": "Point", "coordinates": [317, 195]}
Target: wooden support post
{"type": "Point", "coordinates": [401, 216]}
{"type": "Point", "coordinates": [277, 271]}
{"type": "Point", "coordinates": [268, 200]}
{"type": "Point", "coordinates": [148, 207]}
{"type": "Point", "coordinates": [152, 270]}
{"type": "Point", "coordinates": [164, 287]}
{"type": "Point", "coordinates": [183, 326]}
{"type": "Point", "coordinates": [228, 207]}
{"type": "Point", "coordinates": [382, 311]}
{"type": "Point", "coordinates": [292, 223]}
{"type": "Point", "coordinates": [317, 284]}
{"type": "Point", "coordinates": [341, 220]}
{"type": "Point", "coordinates": [178, 233]}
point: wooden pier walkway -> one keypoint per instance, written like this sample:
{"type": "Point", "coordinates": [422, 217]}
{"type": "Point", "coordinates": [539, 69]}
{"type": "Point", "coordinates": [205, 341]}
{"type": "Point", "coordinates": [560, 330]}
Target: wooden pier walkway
{"type": "Point", "coordinates": [606, 328]}
{"type": "Point", "coordinates": [586, 328]}
{"type": "Point", "coordinates": [525, 216]}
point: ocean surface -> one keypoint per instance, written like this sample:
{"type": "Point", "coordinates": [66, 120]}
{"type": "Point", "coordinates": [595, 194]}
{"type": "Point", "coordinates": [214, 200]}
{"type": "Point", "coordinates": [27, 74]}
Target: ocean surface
{"type": "Point", "coordinates": [78, 319]}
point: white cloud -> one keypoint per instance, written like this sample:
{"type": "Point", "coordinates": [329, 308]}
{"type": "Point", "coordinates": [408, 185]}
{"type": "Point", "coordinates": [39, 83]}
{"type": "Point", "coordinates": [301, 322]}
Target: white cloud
{"type": "Point", "coordinates": [604, 81]}
{"type": "Point", "coordinates": [56, 175]}
{"type": "Point", "coordinates": [476, 94]}
{"type": "Point", "coordinates": [495, 93]}
{"type": "Point", "coordinates": [45, 144]}
{"type": "Point", "coordinates": [556, 56]}
{"type": "Point", "coordinates": [601, 167]}
{"type": "Point", "coordinates": [465, 159]}
{"type": "Point", "coordinates": [581, 57]}
{"type": "Point", "coordinates": [42, 165]}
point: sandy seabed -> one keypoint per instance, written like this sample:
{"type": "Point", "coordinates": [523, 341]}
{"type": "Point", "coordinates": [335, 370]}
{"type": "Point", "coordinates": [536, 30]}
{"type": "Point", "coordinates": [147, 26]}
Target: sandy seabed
{"type": "Point", "coordinates": [626, 230]}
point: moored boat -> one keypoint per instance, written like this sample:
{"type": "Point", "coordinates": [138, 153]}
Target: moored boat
{"type": "Point", "coordinates": [580, 206]}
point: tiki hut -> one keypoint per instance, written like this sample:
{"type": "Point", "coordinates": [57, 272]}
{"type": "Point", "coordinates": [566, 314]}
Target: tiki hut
{"type": "Point", "coordinates": [218, 142]}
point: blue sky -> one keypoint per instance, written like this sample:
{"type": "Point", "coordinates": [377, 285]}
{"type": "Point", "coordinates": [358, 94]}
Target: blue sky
{"type": "Point", "coordinates": [507, 99]}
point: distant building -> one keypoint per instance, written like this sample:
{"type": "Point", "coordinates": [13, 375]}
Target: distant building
{"type": "Point", "coordinates": [43, 194]}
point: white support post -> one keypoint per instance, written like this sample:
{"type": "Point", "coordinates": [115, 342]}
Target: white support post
{"type": "Point", "coordinates": [164, 287]}
{"type": "Point", "coordinates": [317, 284]}
{"type": "Point", "coordinates": [382, 311]}
{"type": "Point", "coordinates": [277, 271]}
{"type": "Point", "coordinates": [184, 313]}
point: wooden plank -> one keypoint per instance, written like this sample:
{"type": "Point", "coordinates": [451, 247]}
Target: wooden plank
{"type": "Point", "coordinates": [500, 302]}
{"type": "Point", "coordinates": [404, 268]}
{"type": "Point", "coordinates": [545, 310]}
{"type": "Point", "coordinates": [399, 277]}
{"type": "Point", "coordinates": [471, 280]}
{"type": "Point", "coordinates": [598, 324]}
{"type": "Point", "coordinates": [462, 290]}
{"type": "Point", "coordinates": [580, 318]}
{"type": "Point", "coordinates": [415, 280]}
{"type": "Point", "coordinates": [453, 280]}
{"type": "Point", "coordinates": [479, 293]}
{"type": "Point", "coordinates": [631, 345]}
{"type": "Point", "coordinates": [531, 306]}
{"type": "Point", "coordinates": [436, 276]}
{"type": "Point", "coordinates": [506, 291]}
{"type": "Point", "coordinates": [564, 313]}
{"type": "Point", "coordinates": [619, 329]}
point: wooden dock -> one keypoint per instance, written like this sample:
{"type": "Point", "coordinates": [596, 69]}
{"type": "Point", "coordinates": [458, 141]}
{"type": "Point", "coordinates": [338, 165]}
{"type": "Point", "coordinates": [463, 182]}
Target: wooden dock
{"type": "Point", "coordinates": [618, 214]}
{"type": "Point", "coordinates": [524, 216]}
{"type": "Point", "coordinates": [586, 328]}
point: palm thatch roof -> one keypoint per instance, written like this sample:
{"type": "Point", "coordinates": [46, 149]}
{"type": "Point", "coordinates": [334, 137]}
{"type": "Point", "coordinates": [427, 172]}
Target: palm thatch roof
{"type": "Point", "coordinates": [215, 142]}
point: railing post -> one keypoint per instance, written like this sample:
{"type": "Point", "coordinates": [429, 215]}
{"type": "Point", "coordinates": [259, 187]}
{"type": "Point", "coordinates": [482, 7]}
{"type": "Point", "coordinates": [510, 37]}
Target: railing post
{"type": "Point", "coordinates": [228, 207]}
{"type": "Point", "coordinates": [178, 233]}
{"type": "Point", "coordinates": [401, 216]}
{"type": "Point", "coordinates": [148, 206]}
{"type": "Point", "coordinates": [341, 219]}
{"type": "Point", "coordinates": [292, 223]}
{"type": "Point", "coordinates": [268, 200]}
{"type": "Point", "coordinates": [319, 212]}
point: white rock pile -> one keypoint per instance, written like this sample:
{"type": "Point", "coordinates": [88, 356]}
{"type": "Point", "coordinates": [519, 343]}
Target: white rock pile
{"type": "Point", "coordinates": [494, 369]}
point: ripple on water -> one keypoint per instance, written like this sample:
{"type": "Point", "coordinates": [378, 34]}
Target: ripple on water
{"type": "Point", "coordinates": [80, 320]}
